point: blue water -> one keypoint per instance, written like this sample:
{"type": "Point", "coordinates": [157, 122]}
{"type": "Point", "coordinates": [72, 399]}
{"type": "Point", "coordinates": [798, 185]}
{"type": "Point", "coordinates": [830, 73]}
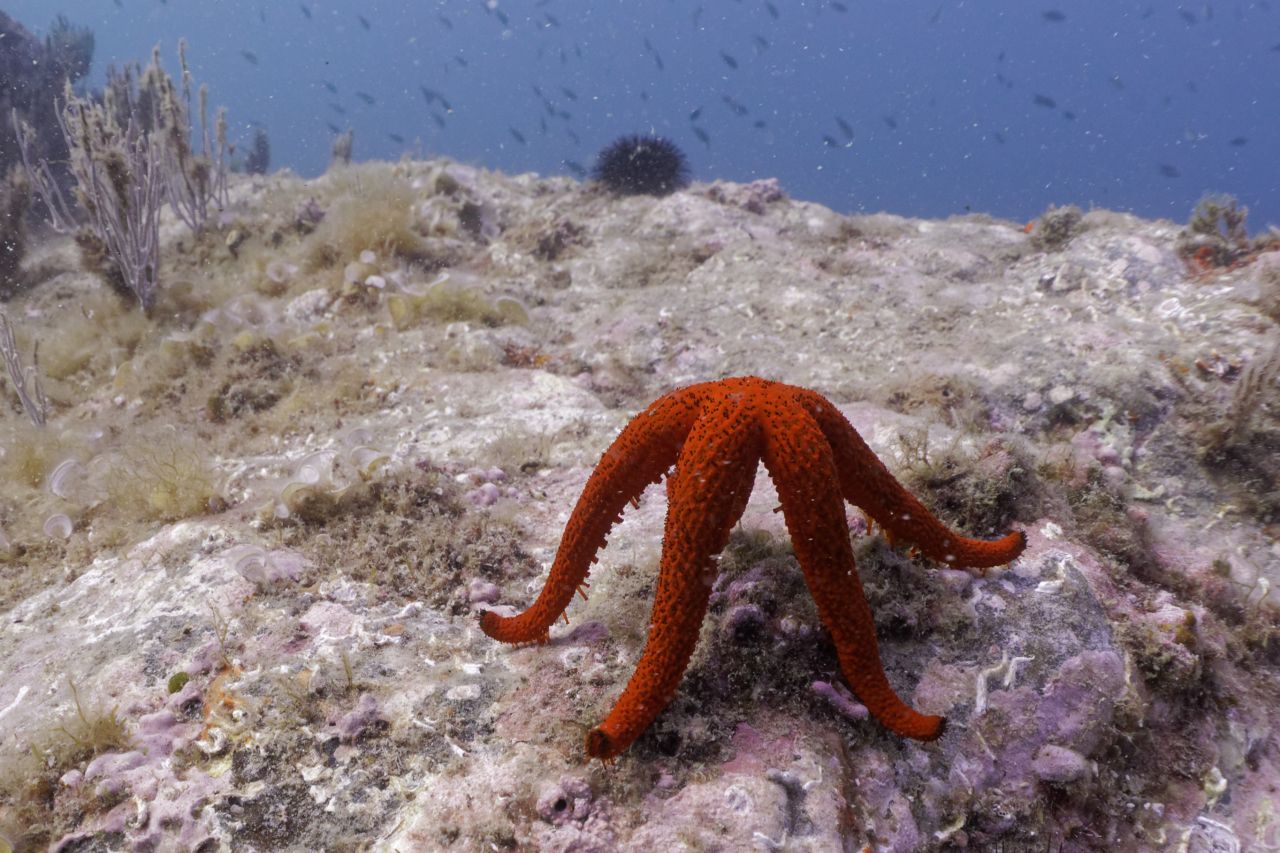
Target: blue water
{"type": "Point", "coordinates": [1153, 103]}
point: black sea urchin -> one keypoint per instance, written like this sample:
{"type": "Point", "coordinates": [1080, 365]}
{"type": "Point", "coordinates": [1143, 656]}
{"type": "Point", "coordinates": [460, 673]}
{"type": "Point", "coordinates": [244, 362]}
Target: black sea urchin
{"type": "Point", "coordinates": [642, 165]}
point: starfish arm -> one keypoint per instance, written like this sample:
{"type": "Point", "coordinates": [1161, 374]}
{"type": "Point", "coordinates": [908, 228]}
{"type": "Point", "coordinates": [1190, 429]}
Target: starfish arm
{"type": "Point", "coordinates": [804, 470]}
{"type": "Point", "coordinates": [707, 495]}
{"type": "Point", "coordinates": [867, 483]}
{"type": "Point", "coordinates": [640, 455]}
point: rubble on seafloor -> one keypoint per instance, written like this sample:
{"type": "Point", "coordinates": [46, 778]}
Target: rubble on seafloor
{"type": "Point", "coordinates": [241, 566]}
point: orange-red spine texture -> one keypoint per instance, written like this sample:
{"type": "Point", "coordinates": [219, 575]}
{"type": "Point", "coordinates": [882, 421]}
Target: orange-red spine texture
{"type": "Point", "coordinates": [715, 434]}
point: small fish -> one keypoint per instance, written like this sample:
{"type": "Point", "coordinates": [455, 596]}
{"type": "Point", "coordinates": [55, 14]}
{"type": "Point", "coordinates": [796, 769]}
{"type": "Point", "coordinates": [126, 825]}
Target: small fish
{"type": "Point", "coordinates": [1056, 16]}
{"type": "Point", "coordinates": [338, 108]}
{"type": "Point", "coordinates": [838, 6]}
{"type": "Point", "coordinates": [729, 60]}
{"type": "Point", "coordinates": [501, 16]}
{"type": "Point", "coordinates": [369, 100]}
{"type": "Point", "coordinates": [1068, 115]}
{"type": "Point", "coordinates": [773, 10]}
{"type": "Point", "coordinates": [696, 17]}
{"type": "Point", "coordinates": [759, 124]}
{"type": "Point", "coordinates": [997, 136]}
{"type": "Point", "coordinates": [1044, 101]}
{"type": "Point", "coordinates": [461, 60]}
{"type": "Point", "coordinates": [845, 128]}
{"type": "Point", "coordinates": [891, 121]}
{"type": "Point", "coordinates": [444, 22]}
{"type": "Point", "coordinates": [829, 141]}
{"type": "Point", "coordinates": [1000, 56]}
{"type": "Point", "coordinates": [657, 60]}
{"type": "Point", "coordinates": [564, 114]}
{"type": "Point", "coordinates": [432, 96]}
{"type": "Point", "coordinates": [1116, 82]}
{"type": "Point", "coordinates": [644, 95]}
{"type": "Point", "coordinates": [569, 93]}
{"type": "Point", "coordinates": [542, 125]}
{"type": "Point", "coordinates": [1148, 12]}
{"type": "Point", "coordinates": [333, 89]}
{"type": "Point", "coordinates": [333, 128]}
{"type": "Point", "coordinates": [1239, 141]}
{"type": "Point", "coordinates": [762, 43]}
{"type": "Point", "coordinates": [702, 134]}
{"type": "Point", "coordinates": [364, 22]}
{"type": "Point", "coordinates": [693, 116]}
{"type": "Point", "coordinates": [1169, 171]}
{"type": "Point", "coordinates": [438, 119]}
{"type": "Point", "coordinates": [1275, 48]}
{"type": "Point", "coordinates": [306, 11]}
{"type": "Point", "coordinates": [936, 16]}
{"type": "Point", "coordinates": [648, 45]}
{"type": "Point", "coordinates": [738, 108]}
{"type": "Point", "coordinates": [119, 4]}
{"type": "Point", "coordinates": [1188, 16]}
{"type": "Point", "coordinates": [262, 14]}
{"type": "Point", "coordinates": [573, 136]}
{"type": "Point", "coordinates": [549, 107]}
{"type": "Point", "coordinates": [396, 138]}
{"type": "Point", "coordinates": [249, 57]}
{"type": "Point", "coordinates": [575, 168]}
{"type": "Point", "coordinates": [551, 19]}
{"type": "Point", "coordinates": [516, 135]}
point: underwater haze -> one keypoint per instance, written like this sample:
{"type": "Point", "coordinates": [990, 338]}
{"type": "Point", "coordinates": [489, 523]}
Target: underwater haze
{"type": "Point", "coordinates": [917, 108]}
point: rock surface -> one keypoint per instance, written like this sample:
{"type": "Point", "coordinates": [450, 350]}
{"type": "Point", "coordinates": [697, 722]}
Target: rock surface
{"type": "Point", "coordinates": [390, 458]}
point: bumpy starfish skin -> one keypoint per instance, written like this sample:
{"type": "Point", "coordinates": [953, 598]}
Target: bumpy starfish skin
{"type": "Point", "coordinates": [715, 433]}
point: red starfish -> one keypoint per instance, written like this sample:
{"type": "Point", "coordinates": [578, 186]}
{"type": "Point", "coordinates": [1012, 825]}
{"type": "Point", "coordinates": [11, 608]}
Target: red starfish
{"type": "Point", "coordinates": [715, 433]}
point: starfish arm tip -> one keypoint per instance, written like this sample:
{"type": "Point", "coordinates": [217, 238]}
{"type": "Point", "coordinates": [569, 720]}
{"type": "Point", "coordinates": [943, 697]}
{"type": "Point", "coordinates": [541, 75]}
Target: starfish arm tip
{"type": "Point", "coordinates": [600, 745]}
{"type": "Point", "coordinates": [985, 553]}
{"type": "Point", "coordinates": [500, 628]}
{"type": "Point", "coordinates": [1013, 544]}
{"type": "Point", "coordinates": [908, 723]}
